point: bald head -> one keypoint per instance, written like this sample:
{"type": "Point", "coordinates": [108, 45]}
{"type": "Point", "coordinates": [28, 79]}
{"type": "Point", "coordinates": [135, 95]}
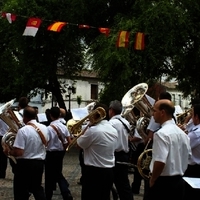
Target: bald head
{"type": "Point", "coordinates": [62, 113]}
{"type": "Point", "coordinates": [163, 110]}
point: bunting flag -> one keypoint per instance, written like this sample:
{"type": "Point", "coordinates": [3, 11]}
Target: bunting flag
{"type": "Point", "coordinates": [9, 16]}
{"type": "Point", "coordinates": [32, 27]}
{"type": "Point", "coordinates": [105, 31]}
{"type": "Point", "coordinates": [123, 39]}
{"type": "Point", "coordinates": [139, 41]}
{"type": "Point", "coordinates": [83, 26]}
{"type": "Point", "coordinates": [57, 26]}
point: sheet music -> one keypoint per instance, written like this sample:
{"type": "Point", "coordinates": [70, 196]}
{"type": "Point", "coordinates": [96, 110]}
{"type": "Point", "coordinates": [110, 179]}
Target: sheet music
{"type": "Point", "coordinates": [19, 117]}
{"type": "Point", "coordinates": [193, 182]}
{"type": "Point", "coordinates": [42, 117]}
{"type": "Point", "coordinates": [79, 113]}
{"type": "Point", "coordinates": [178, 110]}
{"type": "Point", "coordinates": [150, 99]}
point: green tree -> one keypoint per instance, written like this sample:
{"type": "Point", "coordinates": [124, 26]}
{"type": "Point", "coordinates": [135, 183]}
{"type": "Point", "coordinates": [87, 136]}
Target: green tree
{"type": "Point", "coordinates": [172, 47]}
{"type": "Point", "coordinates": [33, 62]}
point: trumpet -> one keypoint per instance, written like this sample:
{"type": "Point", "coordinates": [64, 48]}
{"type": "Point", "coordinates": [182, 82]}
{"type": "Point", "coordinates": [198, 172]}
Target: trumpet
{"type": "Point", "coordinates": [94, 117]}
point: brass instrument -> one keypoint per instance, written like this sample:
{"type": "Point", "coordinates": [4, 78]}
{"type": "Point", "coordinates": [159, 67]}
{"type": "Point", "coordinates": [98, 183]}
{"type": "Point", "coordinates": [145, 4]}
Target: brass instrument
{"type": "Point", "coordinates": [10, 118]}
{"type": "Point", "coordinates": [144, 161]}
{"type": "Point", "coordinates": [70, 124]}
{"type": "Point", "coordinates": [136, 97]}
{"type": "Point", "coordinates": [181, 117]}
{"type": "Point", "coordinates": [94, 117]}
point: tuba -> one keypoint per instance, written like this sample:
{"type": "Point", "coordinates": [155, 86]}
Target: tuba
{"type": "Point", "coordinates": [136, 97]}
{"type": "Point", "coordinates": [94, 117]}
{"type": "Point", "coordinates": [10, 118]}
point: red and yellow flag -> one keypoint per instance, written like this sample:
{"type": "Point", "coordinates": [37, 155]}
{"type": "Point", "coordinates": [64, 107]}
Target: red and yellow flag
{"type": "Point", "coordinates": [57, 26]}
{"type": "Point", "coordinates": [123, 39]}
{"type": "Point", "coordinates": [139, 41]}
{"type": "Point", "coordinates": [105, 31]}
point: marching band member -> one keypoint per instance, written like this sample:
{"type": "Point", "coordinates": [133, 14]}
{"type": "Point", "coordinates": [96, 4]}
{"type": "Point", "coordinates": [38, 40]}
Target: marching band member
{"type": "Point", "coordinates": [30, 151]}
{"type": "Point", "coordinates": [98, 143]}
{"type": "Point", "coordinates": [137, 178]}
{"type": "Point", "coordinates": [188, 124]}
{"type": "Point", "coordinates": [122, 126]}
{"type": "Point", "coordinates": [23, 102]}
{"type": "Point", "coordinates": [3, 158]}
{"type": "Point", "coordinates": [170, 153]}
{"type": "Point", "coordinates": [58, 138]}
{"type": "Point", "coordinates": [62, 116]}
{"type": "Point", "coordinates": [193, 169]}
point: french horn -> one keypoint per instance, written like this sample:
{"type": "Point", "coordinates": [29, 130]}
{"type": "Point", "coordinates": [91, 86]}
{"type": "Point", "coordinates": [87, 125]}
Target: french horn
{"type": "Point", "coordinates": [10, 118]}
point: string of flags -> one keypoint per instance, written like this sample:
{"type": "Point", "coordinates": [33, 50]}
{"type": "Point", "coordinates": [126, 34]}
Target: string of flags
{"type": "Point", "coordinates": [33, 25]}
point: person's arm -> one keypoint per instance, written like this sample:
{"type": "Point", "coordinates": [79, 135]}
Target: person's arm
{"type": "Point", "coordinates": [134, 139]}
{"type": "Point", "coordinates": [149, 136]}
{"type": "Point", "coordinates": [157, 170]}
{"type": "Point", "coordinates": [16, 152]}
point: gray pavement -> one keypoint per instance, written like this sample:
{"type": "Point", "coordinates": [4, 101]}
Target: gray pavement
{"type": "Point", "coordinates": [72, 172]}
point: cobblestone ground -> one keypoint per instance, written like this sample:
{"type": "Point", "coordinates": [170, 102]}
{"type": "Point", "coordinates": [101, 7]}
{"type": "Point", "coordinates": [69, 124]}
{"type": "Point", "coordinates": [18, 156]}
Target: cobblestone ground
{"type": "Point", "coordinates": [71, 170]}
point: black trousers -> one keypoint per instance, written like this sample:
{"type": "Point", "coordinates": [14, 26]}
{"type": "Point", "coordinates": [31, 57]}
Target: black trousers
{"type": "Point", "coordinates": [3, 161]}
{"type": "Point", "coordinates": [53, 174]}
{"type": "Point", "coordinates": [137, 179]}
{"type": "Point", "coordinates": [167, 187]}
{"type": "Point", "coordinates": [192, 193]}
{"type": "Point", "coordinates": [28, 179]}
{"type": "Point", "coordinates": [97, 183]}
{"type": "Point", "coordinates": [121, 179]}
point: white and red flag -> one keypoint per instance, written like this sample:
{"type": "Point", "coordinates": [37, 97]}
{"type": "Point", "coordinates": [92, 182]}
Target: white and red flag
{"type": "Point", "coordinates": [32, 27]}
{"type": "Point", "coordinates": [9, 16]}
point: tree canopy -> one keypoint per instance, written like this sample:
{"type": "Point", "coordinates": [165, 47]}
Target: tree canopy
{"type": "Point", "coordinates": [172, 39]}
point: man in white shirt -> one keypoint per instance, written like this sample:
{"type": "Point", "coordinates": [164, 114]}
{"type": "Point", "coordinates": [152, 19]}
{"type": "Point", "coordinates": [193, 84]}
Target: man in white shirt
{"type": "Point", "coordinates": [59, 138]}
{"type": "Point", "coordinates": [29, 149]}
{"type": "Point", "coordinates": [122, 126]}
{"type": "Point", "coordinates": [98, 143]}
{"type": "Point", "coordinates": [193, 169]}
{"type": "Point", "coordinates": [3, 158]}
{"type": "Point", "coordinates": [170, 153]}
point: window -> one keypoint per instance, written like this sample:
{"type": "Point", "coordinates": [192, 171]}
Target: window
{"type": "Point", "coordinates": [94, 91]}
{"type": "Point", "coordinates": [180, 102]}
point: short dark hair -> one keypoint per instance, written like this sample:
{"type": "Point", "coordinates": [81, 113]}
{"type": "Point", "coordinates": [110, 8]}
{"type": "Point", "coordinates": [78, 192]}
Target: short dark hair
{"type": "Point", "coordinates": [167, 108]}
{"type": "Point", "coordinates": [55, 112]}
{"type": "Point", "coordinates": [196, 110]}
{"type": "Point", "coordinates": [165, 95]}
{"type": "Point", "coordinates": [116, 106]}
{"type": "Point", "coordinates": [23, 102]}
